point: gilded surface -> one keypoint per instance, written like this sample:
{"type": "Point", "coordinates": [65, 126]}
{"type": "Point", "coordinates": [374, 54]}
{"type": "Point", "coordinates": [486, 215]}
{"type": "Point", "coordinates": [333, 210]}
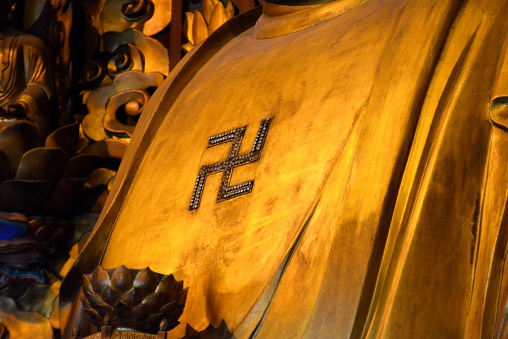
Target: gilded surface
{"type": "Point", "coordinates": [26, 84]}
{"type": "Point", "coordinates": [104, 102]}
{"type": "Point", "coordinates": [22, 324]}
{"type": "Point", "coordinates": [124, 64]}
{"type": "Point", "coordinates": [148, 16]}
{"type": "Point", "coordinates": [380, 194]}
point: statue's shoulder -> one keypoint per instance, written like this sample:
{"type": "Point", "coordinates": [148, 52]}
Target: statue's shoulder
{"type": "Point", "coordinates": [193, 61]}
{"type": "Point", "coordinates": [198, 56]}
{"type": "Point", "coordinates": [24, 39]}
{"type": "Point", "coordinates": [18, 39]}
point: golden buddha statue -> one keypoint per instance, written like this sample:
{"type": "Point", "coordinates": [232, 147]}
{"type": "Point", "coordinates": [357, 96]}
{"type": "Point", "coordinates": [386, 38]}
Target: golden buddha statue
{"type": "Point", "coordinates": [325, 171]}
{"type": "Point", "coordinates": [26, 87]}
{"type": "Point", "coordinates": [26, 94]}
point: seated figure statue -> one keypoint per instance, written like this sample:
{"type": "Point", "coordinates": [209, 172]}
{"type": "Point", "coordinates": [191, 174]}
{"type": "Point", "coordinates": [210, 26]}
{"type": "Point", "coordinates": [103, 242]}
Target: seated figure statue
{"type": "Point", "coordinates": [25, 80]}
{"type": "Point", "coordinates": [328, 170]}
{"type": "Point", "coordinates": [26, 96]}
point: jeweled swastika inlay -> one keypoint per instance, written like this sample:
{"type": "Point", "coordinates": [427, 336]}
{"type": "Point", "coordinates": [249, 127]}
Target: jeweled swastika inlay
{"type": "Point", "coordinates": [226, 166]}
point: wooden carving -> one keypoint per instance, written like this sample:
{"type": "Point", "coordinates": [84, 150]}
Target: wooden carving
{"type": "Point", "coordinates": [125, 303]}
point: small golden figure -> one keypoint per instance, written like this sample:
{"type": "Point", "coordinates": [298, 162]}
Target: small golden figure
{"type": "Point", "coordinates": [26, 85]}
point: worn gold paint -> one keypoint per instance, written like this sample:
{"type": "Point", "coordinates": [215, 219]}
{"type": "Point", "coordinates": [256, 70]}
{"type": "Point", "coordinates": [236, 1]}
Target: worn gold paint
{"type": "Point", "coordinates": [22, 324]}
{"type": "Point", "coordinates": [150, 17]}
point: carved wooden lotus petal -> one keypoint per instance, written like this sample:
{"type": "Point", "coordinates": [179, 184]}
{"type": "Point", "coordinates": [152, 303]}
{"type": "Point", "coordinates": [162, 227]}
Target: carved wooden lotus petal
{"type": "Point", "coordinates": [64, 138]}
{"type": "Point", "coordinates": [146, 282]}
{"type": "Point", "coordinates": [153, 302]}
{"type": "Point", "coordinates": [96, 303]}
{"type": "Point", "coordinates": [94, 317]}
{"type": "Point", "coordinates": [177, 313]}
{"type": "Point", "coordinates": [81, 165]}
{"type": "Point", "coordinates": [121, 280]}
{"type": "Point", "coordinates": [63, 196]}
{"type": "Point", "coordinates": [122, 311]}
{"type": "Point", "coordinates": [110, 296]}
{"type": "Point", "coordinates": [86, 284]}
{"type": "Point", "coordinates": [183, 297]}
{"type": "Point", "coordinates": [173, 310]}
{"type": "Point", "coordinates": [169, 307]}
{"type": "Point", "coordinates": [25, 196]}
{"type": "Point", "coordinates": [108, 148]}
{"type": "Point", "coordinates": [155, 319]}
{"type": "Point", "coordinates": [178, 292]}
{"type": "Point", "coordinates": [41, 164]}
{"type": "Point", "coordinates": [131, 298]}
{"type": "Point", "coordinates": [38, 187]}
{"type": "Point", "coordinates": [103, 309]}
{"type": "Point", "coordinates": [166, 286]}
{"type": "Point", "coordinates": [15, 140]}
{"type": "Point", "coordinates": [140, 313]}
{"type": "Point", "coordinates": [92, 299]}
{"type": "Point", "coordinates": [100, 279]}
{"type": "Point", "coordinates": [148, 299]}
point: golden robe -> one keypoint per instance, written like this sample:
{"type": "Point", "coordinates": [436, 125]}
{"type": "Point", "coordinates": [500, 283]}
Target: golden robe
{"type": "Point", "coordinates": [377, 207]}
{"type": "Point", "coordinates": [25, 78]}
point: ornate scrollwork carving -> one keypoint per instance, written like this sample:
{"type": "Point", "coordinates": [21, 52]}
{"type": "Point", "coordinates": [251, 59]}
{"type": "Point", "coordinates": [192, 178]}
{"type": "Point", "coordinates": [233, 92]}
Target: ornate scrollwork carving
{"type": "Point", "coordinates": [92, 75]}
{"type": "Point", "coordinates": [123, 60]}
{"type": "Point", "coordinates": [150, 17]}
{"type": "Point", "coordinates": [112, 106]}
{"type": "Point", "coordinates": [146, 54]}
{"type": "Point", "coordinates": [136, 10]}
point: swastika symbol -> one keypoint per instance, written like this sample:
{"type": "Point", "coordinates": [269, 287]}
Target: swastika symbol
{"type": "Point", "coordinates": [226, 166]}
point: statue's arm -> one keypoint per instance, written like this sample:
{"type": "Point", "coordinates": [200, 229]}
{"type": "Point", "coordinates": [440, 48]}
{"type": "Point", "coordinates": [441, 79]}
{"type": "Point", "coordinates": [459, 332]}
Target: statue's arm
{"type": "Point", "coordinates": [34, 100]}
